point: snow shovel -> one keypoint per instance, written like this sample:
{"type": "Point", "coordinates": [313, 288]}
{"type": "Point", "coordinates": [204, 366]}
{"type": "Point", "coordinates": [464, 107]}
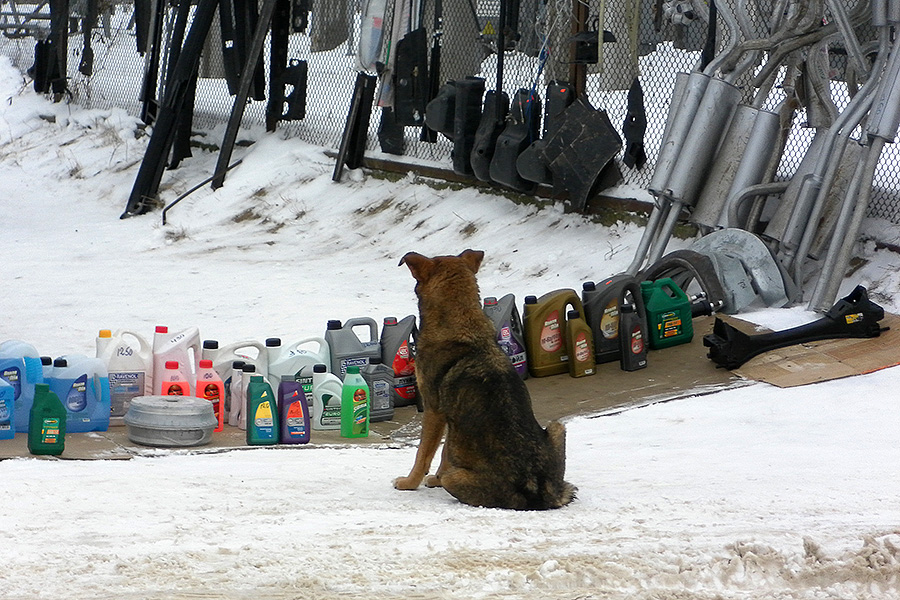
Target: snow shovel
{"type": "Point", "coordinates": [854, 316]}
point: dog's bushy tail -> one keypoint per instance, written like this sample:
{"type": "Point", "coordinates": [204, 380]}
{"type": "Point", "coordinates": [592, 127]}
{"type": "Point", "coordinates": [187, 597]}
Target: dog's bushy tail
{"type": "Point", "coordinates": [558, 492]}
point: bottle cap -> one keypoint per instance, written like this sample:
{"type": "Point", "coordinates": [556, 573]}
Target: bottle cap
{"type": "Point", "coordinates": [249, 368]}
{"type": "Point", "coordinates": [60, 362]}
{"type": "Point", "coordinates": [390, 320]}
{"type": "Point", "coordinates": [320, 368]}
{"type": "Point", "coordinates": [171, 364]}
{"type": "Point", "coordinates": [530, 299]}
{"type": "Point", "coordinates": [334, 324]}
{"type": "Point", "coordinates": [490, 301]}
{"type": "Point", "coordinates": [589, 286]}
{"type": "Point", "coordinates": [354, 370]}
{"type": "Point", "coordinates": [273, 342]}
{"type": "Point", "coordinates": [211, 344]}
{"type": "Point", "coordinates": [162, 329]}
{"type": "Point", "coordinates": [105, 333]}
{"type": "Point", "coordinates": [46, 361]}
{"type": "Point", "coordinates": [237, 365]}
{"type": "Point", "coordinates": [206, 364]}
{"type": "Point", "coordinates": [572, 314]}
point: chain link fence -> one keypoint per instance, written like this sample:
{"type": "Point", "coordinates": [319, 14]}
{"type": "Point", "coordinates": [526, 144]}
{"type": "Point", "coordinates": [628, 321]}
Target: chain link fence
{"type": "Point", "coordinates": [646, 47]}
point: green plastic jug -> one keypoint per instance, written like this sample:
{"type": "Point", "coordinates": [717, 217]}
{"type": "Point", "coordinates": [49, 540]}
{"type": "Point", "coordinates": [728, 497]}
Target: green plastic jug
{"type": "Point", "coordinates": [668, 313]}
{"type": "Point", "coordinates": [46, 423]}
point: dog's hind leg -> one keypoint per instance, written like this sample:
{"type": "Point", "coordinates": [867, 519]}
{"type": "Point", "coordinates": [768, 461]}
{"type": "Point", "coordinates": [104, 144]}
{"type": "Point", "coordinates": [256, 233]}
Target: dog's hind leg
{"type": "Point", "coordinates": [477, 489]}
{"type": "Point", "coordinates": [433, 426]}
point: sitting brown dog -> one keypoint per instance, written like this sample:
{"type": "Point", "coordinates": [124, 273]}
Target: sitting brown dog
{"type": "Point", "coordinates": [496, 454]}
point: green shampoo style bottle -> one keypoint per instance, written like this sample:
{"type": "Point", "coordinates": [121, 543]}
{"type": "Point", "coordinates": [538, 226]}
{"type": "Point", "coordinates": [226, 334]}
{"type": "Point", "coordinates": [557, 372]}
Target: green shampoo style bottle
{"type": "Point", "coordinates": [262, 413]}
{"type": "Point", "coordinates": [354, 405]}
{"type": "Point", "coordinates": [46, 423]}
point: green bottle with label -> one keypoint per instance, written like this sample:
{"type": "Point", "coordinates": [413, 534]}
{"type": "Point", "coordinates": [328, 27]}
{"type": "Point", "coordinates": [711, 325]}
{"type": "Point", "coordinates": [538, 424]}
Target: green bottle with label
{"type": "Point", "coordinates": [262, 413]}
{"type": "Point", "coordinates": [355, 397]}
{"type": "Point", "coordinates": [46, 423]}
{"type": "Point", "coordinates": [669, 319]}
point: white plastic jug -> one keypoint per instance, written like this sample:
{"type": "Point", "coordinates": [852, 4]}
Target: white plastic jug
{"type": "Point", "coordinates": [20, 366]}
{"type": "Point", "coordinates": [285, 362]}
{"type": "Point", "coordinates": [250, 351]}
{"type": "Point", "coordinates": [129, 360]}
{"type": "Point", "coordinates": [326, 389]}
{"type": "Point", "coordinates": [183, 347]}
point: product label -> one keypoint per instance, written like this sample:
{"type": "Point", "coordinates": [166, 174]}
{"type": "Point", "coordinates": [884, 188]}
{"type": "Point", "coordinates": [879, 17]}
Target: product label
{"type": "Point", "coordinates": [512, 348]}
{"type": "Point", "coordinates": [670, 325]}
{"type": "Point", "coordinates": [404, 361]}
{"type": "Point", "coordinates": [296, 408]}
{"type": "Point", "coordinates": [13, 377]}
{"type": "Point", "coordinates": [263, 419]}
{"type": "Point", "coordinates": [637, 340]}
{"type": "Point", "coordinates": [353, 362]}
{"type": "Point", "coordinates": [582, 348]}
{"type": "Point", "coordinates": [551, 334]}
{"type": "Point", "coordinates": [49, 431]}
{"type": "Point", "coordinates": [360, 411]}
{"type": "Point", "coordinates": [381, 395]}
{"type": "Point", "coordinates": [306, 384]}
{"type": "Point", "coordinates": [76, 399]}
{"type": "Point", "coordinates": [405, 387]}
{"type": "Point", "coordinates": [174, 388]}
{"type": "Point", "coordinates": [854, 318]}
{"type": "Point", "coordinates": [6, 410]}
{"type": "Point", "coordinates": [123, 386]}
{"type": "Point", "coordinates": [331, 411]}
{"type": "Point", "coordinates": [609, 322]}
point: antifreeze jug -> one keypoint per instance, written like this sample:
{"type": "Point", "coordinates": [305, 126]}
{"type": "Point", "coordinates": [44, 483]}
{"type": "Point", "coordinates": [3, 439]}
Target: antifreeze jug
{"type": "Point", "coordinates": [47, 423]}
{"type": "Point", "coordinates": [545, 331]}
{"type": "Point", "coordinates": [398, 351]}
{"type": "Point", "coordinates": [248, 372]}
{"type": "Point", "coordinates": [510, 332]}
{"type": "Point", "coordinates": [354, 405]}
{"type": "Point", "coordinates": [293, 411]}
{"type": "Point", "coordinates": [249, 351]}
{"type": "Point", "coordinates": [347, 349]}
{"type": "Point", "coordinates": [183, 347]}
{"type": "Point", "coordinates": [82, 385]}
{"type": "Point", "coordinates": [669, 317]}
{"type": "Point", "coordinates": [580, 346]}
{"type": "Point", "coordinates": [211, 387]}
{"type": "Point", "coordinates": [20, 366]}
{"type": "Point", "coordinates": [602, 306]}
{"type": "Point", "coordinates": [326, 409]}
{"type": "Point", "coordinates": [7, 410]}
{"type": "Point", "coordinates": [129, 361]}
{"type": "Point", "coordinates": [294, 361]}
{"type": "Point", "coordinates": [262, 413]}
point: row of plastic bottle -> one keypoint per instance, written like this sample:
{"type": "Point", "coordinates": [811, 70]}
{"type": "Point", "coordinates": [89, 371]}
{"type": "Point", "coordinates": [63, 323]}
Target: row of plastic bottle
{"type": "Point", "coordinates": [619, 318]}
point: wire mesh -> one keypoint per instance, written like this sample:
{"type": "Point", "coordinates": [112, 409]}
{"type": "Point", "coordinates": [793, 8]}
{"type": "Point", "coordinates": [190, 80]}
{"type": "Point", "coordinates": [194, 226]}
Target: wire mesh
{"type": "Point", "coordinates": [648, 48]}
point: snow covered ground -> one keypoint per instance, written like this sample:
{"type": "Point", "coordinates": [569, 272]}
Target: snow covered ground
{"type": "Point", "coordinates": [749, 493]}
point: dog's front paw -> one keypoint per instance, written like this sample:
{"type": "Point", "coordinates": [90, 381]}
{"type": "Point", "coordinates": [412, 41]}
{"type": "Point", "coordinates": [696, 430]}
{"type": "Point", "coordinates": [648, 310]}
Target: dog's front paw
{"type": "Point", "coordinates": [406, 483]}
{"type": "Point", "coordinates": [433, 481]}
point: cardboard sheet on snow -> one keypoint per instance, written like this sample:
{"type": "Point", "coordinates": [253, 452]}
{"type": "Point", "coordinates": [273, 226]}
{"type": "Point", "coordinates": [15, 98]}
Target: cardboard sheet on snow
{"type": "Point", "coordinates": [826, 359]}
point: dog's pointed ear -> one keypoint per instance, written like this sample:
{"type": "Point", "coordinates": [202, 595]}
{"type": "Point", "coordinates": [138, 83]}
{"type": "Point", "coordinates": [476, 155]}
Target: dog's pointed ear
{"type": "Point", "coordinates": [419, 266]}
{"type": "Point", "coordinates": [472, 259]}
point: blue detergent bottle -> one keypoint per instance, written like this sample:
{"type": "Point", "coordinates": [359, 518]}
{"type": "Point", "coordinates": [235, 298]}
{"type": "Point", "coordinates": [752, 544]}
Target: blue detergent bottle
{"type": "Point", "coordinates": [82, 385]}
{"type": "Point", "coordinates": [20, 366]}
{"type": "Point", "coordinates": [7, 411]}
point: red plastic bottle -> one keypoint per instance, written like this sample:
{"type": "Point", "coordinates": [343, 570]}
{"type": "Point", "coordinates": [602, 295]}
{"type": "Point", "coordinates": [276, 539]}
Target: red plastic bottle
{"type": "Point", "coordinates": [211, 387]}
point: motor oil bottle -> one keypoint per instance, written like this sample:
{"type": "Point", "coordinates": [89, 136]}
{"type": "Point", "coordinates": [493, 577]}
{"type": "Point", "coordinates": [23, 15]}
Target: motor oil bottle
{"type": "Point", "coordinates": [354, 405]}
{"type": "Point", "coordinates": [602, 305]}
{"type": "Point", "coordinates": [294, 413]}
{"type": "Point", "coordinates": [545, 331]}
{"type": "Point", "coordinates": [347, 349]}
{"type": "Point", "coordinates": [669, 320]}
{"type": "Point", "coordinates": [211, 387]}
{"type": "Point", "coordinates": [398, 351]}
{"type": "Point", "coordinates": [182, 347]}
{"type": "Point", "coordinates": [580, 345]}
{"type": "Point", "coordinates": [294, 362]}
{"type": "Point", "coordinates": [327, 389]}
{"type": "Point", "coordinates": [262, 413]}
{"type": "Point", "coordinates": [82, 385]}
{"type": "Point", "coordinates": [380, 379]}
{"type": "Point", "coordinates": [47, 423]}
{"type": "Point", "coordinates": [249, 351]}
{"type": "Point", "coordinates": [173, 381]}
{"type": "Point", "coordinates": [20, 366]}
{"type": "Point", "coordinates": [632, 339]}
{"type": "Point", "coordinates": [7, 410]}
{"type": "Point", "coordinates": [235, 397]}
{"type": "Point", "coordinates": [129, 362]}
{"type": "Point", "coordinates": [510, 333]}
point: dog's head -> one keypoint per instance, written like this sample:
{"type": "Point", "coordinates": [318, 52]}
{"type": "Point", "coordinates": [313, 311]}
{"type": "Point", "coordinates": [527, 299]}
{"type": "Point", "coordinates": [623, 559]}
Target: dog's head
{"type": "Point", "coordinates": [423, 268]}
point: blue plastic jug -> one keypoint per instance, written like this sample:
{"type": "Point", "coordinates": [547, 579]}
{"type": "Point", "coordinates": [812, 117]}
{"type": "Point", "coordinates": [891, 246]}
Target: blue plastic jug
{"type": "Point", "coordinates": [82, 385]}
{"type": "Point", "coordinates": [20, 366]}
